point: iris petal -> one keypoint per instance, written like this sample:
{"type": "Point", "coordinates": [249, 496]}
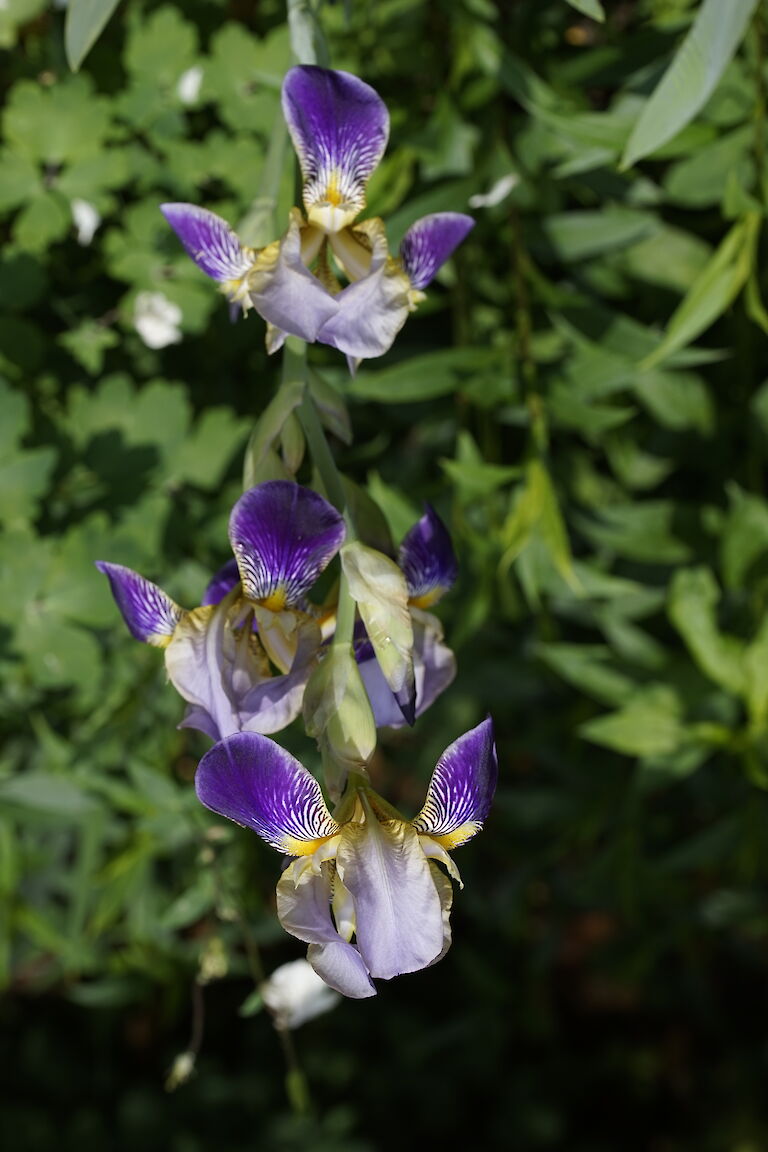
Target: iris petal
{"type": "Point", "coordinates": [211, 664]}
{"type": "Point", "coordinates": [430, 241]}
{"type": "Point", "coordinates": [398, 915]}
{"type": "Point", "coordinates": [304, 910]}
{"type": "Point", "coordinates": [283, 537]}
{"type": "Point", "coordinates": [253, 781]}
{"type": "Point", "coordinates": [210, 241]}
{"type": "Point", "coordinates": [428, 560]}
{"type": "Point", "coordinates": [339, 126]}
{"type": "Point", "coordinates": [285, 293]}
{"type": "Point", "coordinates": [461, 789]}
{"type": "Point", "coordinates": [150, 614]}
{"type": "Point", "coordinates": [371, 311]}
{"type": "Point", "coordinates": [221, 583]}
{"type": "Point", "coordinates": [434, 667]}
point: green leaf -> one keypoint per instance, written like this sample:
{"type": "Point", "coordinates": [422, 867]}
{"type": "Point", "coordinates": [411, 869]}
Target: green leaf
{"type": "Point", "coordinates": [89, 343]}
{"type": "Point", "coordinates": [590, 668]}
{"type": "Point", "coordinates": [267, 429]}
{"type": "Point", "coordinates": [693, 600]}
{"type": "Point", "coordinates": [86, 20]}
{"type": "Point", "coordinates": [425, 377]}
{"type": "Point", "coordinates": [252, 1004]}
{"type": "Point", "coordinates": [648, 725]}
{"type": "Point", "coordinates": [48, 795]}
{"type": "Point", "coordinates": [714, 291]}
{"type": "Point", "coordinates": [591, 8]}
{"type": "Point", "coordinates": [744, 539]}
{"type": "Point", "coordinates": [576, 236]}
{"type": "Point", "coordinates": [692, 76]}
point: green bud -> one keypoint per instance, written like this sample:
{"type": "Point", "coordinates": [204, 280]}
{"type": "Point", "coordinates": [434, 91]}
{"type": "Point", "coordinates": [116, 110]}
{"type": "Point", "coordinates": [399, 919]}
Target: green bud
{"type": "Point", "coordinates": [380, 590]}
{"type": "Point", "coordinates": [338, 714]}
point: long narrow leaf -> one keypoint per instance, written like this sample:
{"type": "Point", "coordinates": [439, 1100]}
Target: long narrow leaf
{"type": "Point", "coordinates": [692, 76]}
{"type": "Point", "coordinates": [86, 20]}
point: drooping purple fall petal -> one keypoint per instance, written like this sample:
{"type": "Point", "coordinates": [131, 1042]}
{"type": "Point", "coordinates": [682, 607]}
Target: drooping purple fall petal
{"type": "Point", "coordinates": [430, 241]}
{"type": "Point", "coordinates": [461, 789]}
{"type": "Point", "coordinates": [150, 614]}
{"type": "Point", "coordinates": [283, 537]}
{"type": "Point", "coordinates": [428, 560]}
{"type": "Point", "coordinates": [253, 781]}
{"type": "Point", "coordinates": [339, 126]}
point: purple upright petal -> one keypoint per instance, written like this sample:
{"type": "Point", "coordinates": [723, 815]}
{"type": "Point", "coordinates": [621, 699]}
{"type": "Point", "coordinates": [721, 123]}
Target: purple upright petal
{"type": "Point", "coordinates": [430, 241]}
{"type": "Point", "coordinates": [283, 537]}
{"type": "Point", "coordinates": [305, 912]}
{"type": "Point", "coordinates": [151, 616]}
{"type": "Point", "coordinates": [339, 127]}
{"type": "Point", "coordinates": [461, 789]}
{"type": "Point", "coordinates": [253, 781]}
{"type": "Point", "coordinates": [209, 240]}
{"type": "Point", "coordinates": [285, 293]}
{"type": "Point", "coordinates": [398, 913]}
{"type": "Point", "coordinates": [222, 583]}
{"type": "Point", "coordinates": [428, 560]}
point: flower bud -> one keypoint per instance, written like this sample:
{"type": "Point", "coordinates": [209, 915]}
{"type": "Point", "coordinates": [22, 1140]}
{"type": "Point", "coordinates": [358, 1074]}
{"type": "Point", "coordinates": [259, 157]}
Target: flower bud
{"type": "Point", "coordinates": [338, 714]}
{"type": "Point", "coordinates": [381, 592]}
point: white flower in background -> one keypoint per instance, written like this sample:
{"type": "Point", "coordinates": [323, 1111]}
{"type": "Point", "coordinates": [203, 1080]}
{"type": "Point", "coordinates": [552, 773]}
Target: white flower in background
{"type": "Point", "coordinates": [87, 220]}
{"type": "Point", "coordinates": [188, 87]}
{"type": "Point", "coordinates": [294, 993]}
{"type": "Point", "coordinates": [156, 319]}
{"type": "Point", "coordinates": [496, 193]}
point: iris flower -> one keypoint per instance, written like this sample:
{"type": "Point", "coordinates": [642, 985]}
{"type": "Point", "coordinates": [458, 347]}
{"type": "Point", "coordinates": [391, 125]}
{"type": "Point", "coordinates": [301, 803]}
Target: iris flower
{"type": "Point", "coordinates": [428, 562]}
{"type": "Point", "coordinates": [339, 127]}
{"type": "Point", "coordinates": [254, 618]}
{"type": "Point", "coordinates": [364, 888]}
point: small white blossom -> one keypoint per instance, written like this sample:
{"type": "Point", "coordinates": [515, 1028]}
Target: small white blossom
{"type": "Point", "coordinates": [294, 993]}
{"type": "Point", "coordinates": [188, 87]}
{"type": "Point", "coordinates": [156, 319]}
{"type": "Point", "coordinates": [87, 220]}
{"type": "Point", "coordinates": [496, 193]}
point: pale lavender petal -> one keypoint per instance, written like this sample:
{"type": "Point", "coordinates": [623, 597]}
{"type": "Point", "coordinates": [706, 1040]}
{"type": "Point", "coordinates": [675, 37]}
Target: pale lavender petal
{"type": "Point", "coordinates": [283, 537]}
{"type": "Point", "coordinates": [207, 660]}
{"type": "Point", "coordinates": [274, 704]}
{"type": "Point", "coordinates": [222, 583]}
{"type": "Point", "coordinates": [372, 310]}
{"type": "Point", "coordinates": [429, 242]}
{"type": "Point", "coordinates": [398, 913]}
{"type": "Point", "coordinates": [434, 667]}
{"type": "Point", "coordinates": [151, 616]}
{"type": "Point", "coordinates": [305, 912]}
{"type": "Point", "coordinates": [339, 127]}
{"type": "Point", "coordinates": [428, 560]}
{"type": "Point", "coordinates": [285, 293]}
{"type": "Point", "coordinates": [461, 789]}
{"type": "Point", "coordinates": [253, 781]}
{"type": "Point", "coordinates": [209, 240]}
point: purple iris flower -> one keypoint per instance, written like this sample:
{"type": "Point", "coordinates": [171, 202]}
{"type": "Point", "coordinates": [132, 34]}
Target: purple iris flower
{"type": "Point", "coordinates": [242, 659]}
{"type": "Point", "coordinates": [339, 127]}
{"type": "Point", "coordinates": [364, 889]}
{"type": "Point", "coordinates": [428, 562]}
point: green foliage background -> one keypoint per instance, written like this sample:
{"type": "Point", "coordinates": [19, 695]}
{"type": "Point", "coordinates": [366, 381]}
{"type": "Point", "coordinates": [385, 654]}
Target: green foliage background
{"type": "Point", "coordinates": [584, 398]}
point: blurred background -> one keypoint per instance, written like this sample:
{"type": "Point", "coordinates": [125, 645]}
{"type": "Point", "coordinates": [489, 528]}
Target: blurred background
{"type": "Point", "coordinates": [583, 398]}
